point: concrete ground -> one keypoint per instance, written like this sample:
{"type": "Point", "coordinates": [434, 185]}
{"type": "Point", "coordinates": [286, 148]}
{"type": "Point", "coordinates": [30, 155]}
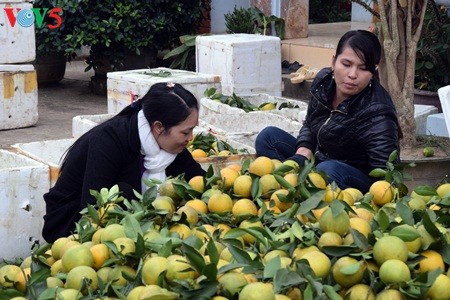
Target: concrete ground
{"type": "Point", "coordinates": [57, 105]}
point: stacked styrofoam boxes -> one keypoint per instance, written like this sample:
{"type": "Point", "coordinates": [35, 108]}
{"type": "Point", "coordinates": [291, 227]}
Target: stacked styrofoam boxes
{"type": "Point", "coordinates": [247, 63]}
{"type": "Point", "coordinates": [17, 41]}
{"type": "Point", "coordinates": [23, 182]}
{"type": "Point", "coordinates": [209, 106]}
{"type": "Point", "coordinates": [421, 113]}
{"type": "Point", "coordinates": [18, 96]}
{"type": "Point", "coordinates": [124, 84]}
{"type": "Point", "coordinates": [244, 128]}
{"type": "Point", "coordinates": [18, 82]}
{"type": "Point", "coordinates": [49, 152]}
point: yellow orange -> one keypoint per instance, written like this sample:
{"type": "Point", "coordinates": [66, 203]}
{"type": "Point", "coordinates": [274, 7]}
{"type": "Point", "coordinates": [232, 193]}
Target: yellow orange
{"type": "Point", "coordinates": [220, 203]}
{"type": "Point", "coordinates": [197, 183]}
{"type": "Point", "coordinates": [261, 166]}
{"type": "Point", "coordinates": [382, 192]}
{"type": "Point", "coordinates": [199, 205]}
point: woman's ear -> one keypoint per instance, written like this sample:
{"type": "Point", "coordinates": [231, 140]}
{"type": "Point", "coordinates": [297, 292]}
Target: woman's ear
{"type": "Point", "coordinates": [333, 61]}
{"type": "Point", "coordinates": [158, 127]}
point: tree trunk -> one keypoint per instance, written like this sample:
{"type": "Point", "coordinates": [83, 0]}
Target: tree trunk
{"type": "Point", "coordinates": [401, 25]}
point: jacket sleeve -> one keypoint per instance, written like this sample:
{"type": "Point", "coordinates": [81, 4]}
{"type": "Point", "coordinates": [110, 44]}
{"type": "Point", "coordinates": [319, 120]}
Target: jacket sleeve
{"type": "Point", "coordinates": [306, 138]}
{"type": "Point", "coordinates": [380, 138]}
{"type": "Point", "coordinates": [185, 163]}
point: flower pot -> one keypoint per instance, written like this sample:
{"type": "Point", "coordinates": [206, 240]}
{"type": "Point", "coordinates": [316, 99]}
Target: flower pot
{"type": "Point", "coordinates": [50, 67]}
{"type": "Point", "coordinates": [131, 61]}
{"type": "Point", "coordinates": [427, 98]}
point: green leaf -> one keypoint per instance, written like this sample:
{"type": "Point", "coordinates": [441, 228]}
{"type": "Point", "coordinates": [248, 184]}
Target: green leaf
{"type": "Point", "coordinates": [429, 225]}
{"type": "Point", "coordinates": [383, 220]}
{"type": "Point", "coordinates": [240, 255]}
{"type": "Point", "coordinates": [331, 293]}
{"type": "Point", "coordinates": [132, 227]}
{"type": "Point", "coordinates": [350, 269]}
{"type": "Point", "coordinates": [297, 230]}
{"type": "Point", "coordinates": [271, 268]}
{"type": "Point", "coordinates": [337, 207]}
{"type": "Point", "coordinates": [393, 156]}
{"type": "Point", "coordinates": [405, 233]}
{"type": "Point", "coordinates": [213, 253]}
{"type": "Point", "coordinates": [405, 212]}
{"type": "Point", "coordinates": [311, 203]}
{"type": "Point", "coordinates": [425, 190]}
{"type": "Point", "coordinates": [256, 188]}
{"type": "Point", "coordinates": [338, 251]}
{"type": "Point", "coordinates": [194, 257]}
{"type": "Point", "coordinates": [360, 239]}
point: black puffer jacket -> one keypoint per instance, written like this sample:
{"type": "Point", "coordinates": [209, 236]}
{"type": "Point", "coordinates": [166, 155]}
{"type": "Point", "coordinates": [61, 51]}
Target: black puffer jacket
{"type": "Point", "coordinates": [362, 131]}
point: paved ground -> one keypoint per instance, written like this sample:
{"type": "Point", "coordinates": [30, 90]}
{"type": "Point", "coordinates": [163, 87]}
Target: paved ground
{"type": "Point", "coordinates": [57, 105]}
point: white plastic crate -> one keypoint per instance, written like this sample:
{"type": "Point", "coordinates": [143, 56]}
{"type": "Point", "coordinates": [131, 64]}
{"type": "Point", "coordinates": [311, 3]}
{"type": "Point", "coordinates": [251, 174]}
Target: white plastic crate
{"type": "Point", "coordinates": [82, 124]}
{"type": "Point", "coordinates": [18, 96]}
{"type": "Point", "coordinates": [18, 44]}
{"type": "Point", "coordinates": [247, 63]}
{"type": "Point", "coordinates": [444, 98]}
{"type": "Point", "coordinates": [48, 152]}
{"type": "Point", "coordinates": [421, 113]}
{"type": "Point", "coordinates": [23, 182]}
{"type": "Point", "coordinates": [209, 106]}
{"type": "Point", "coordinates": [243, 128]}
{"type": "Point", "coordinates": [121, 85]}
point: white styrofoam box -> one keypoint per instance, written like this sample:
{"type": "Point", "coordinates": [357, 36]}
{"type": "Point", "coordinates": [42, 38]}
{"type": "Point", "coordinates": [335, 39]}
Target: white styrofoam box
{"type": "Point", "coordinates": [23, 182]}
{"type": "Point", "coordinates": [49, 152]}
{"type": "Point", "coordinates": [18, 96]}
{"type": "Point", "coordinates": [17, 42]}
{"type": "Point", "coordinates": [248, 63]}
{"type": "Point", "coordinates": [444, 98]}
{"type": "Point", "coordinates": [244, 128]}
{"type": "Point", "coordinates": [421, 113]}
{"type": "Point", "coordinates": [82, 124]}
{"type": "Point", "coordinates": [209, 106]}
{"type": "Point", "coordinates": [122, 84]}
{"type": "Point", "coordinates": [436, 125]}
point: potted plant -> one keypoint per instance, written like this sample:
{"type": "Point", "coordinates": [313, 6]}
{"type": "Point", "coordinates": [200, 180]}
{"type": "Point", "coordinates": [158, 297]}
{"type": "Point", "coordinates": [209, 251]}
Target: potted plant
{"type": "Point", "coordinates": [125, 35]}
{"type": "Point", "coordinates": [432, 69]}
{"type": "Point", "coordinates": [51, 39]}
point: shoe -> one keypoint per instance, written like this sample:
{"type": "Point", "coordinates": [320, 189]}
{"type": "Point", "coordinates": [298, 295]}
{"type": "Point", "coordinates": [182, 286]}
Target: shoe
{"type": "Point", "coordinates": [294, 66]}
{"type": "Point", "coordinates": [304, 73]}
{"type": "Point", "coordinates": [285, 67]}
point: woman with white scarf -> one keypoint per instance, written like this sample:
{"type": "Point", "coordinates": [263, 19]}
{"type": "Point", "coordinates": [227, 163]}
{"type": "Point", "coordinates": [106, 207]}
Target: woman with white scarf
{"type": "Point", "coordinates": [145, 140]}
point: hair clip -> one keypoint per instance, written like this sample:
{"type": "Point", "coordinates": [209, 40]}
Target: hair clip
{"type": "Point", "coordinates": [134, 99]}
{"type": "Point", "coordinates": [170, 85]}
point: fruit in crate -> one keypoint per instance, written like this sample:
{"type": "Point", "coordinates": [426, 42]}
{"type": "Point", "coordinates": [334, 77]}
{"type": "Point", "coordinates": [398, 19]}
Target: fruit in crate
{"type": "Point", "coordinates": [207, 145]}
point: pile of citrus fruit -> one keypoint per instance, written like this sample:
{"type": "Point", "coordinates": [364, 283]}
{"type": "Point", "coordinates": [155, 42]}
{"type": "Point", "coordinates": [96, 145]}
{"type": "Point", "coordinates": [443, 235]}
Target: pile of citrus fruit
{"type": "Point", "coordinates": [206, 144]}
{"type": "Point", "coordinates": [261, 230]}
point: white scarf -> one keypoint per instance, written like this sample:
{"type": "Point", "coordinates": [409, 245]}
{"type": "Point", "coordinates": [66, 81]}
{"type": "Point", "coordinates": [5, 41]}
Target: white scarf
{"type": "Point", "coordinates": [156, 160]}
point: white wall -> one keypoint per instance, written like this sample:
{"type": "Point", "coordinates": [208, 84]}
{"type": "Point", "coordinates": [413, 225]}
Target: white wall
{"type": "Point", "coordinates": [218, 10]}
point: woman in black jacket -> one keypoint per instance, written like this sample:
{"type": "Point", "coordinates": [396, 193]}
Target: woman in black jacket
{"type": "Point", "coordinates": [145, 140]}
{"type": "Point", "coordinates": [351, 124]}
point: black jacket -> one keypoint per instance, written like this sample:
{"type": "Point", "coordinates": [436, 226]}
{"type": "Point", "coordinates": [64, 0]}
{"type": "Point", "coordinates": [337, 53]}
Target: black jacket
{"type": "Point", "coordinates": [108, 154]}
{"type": "Point", "coordinates": [362, 132]}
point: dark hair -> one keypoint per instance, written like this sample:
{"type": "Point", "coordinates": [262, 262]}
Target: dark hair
{"type": "Point", "coordinates": [168, 103]}
{"type": "Point", "coordinates": [365, 44]}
